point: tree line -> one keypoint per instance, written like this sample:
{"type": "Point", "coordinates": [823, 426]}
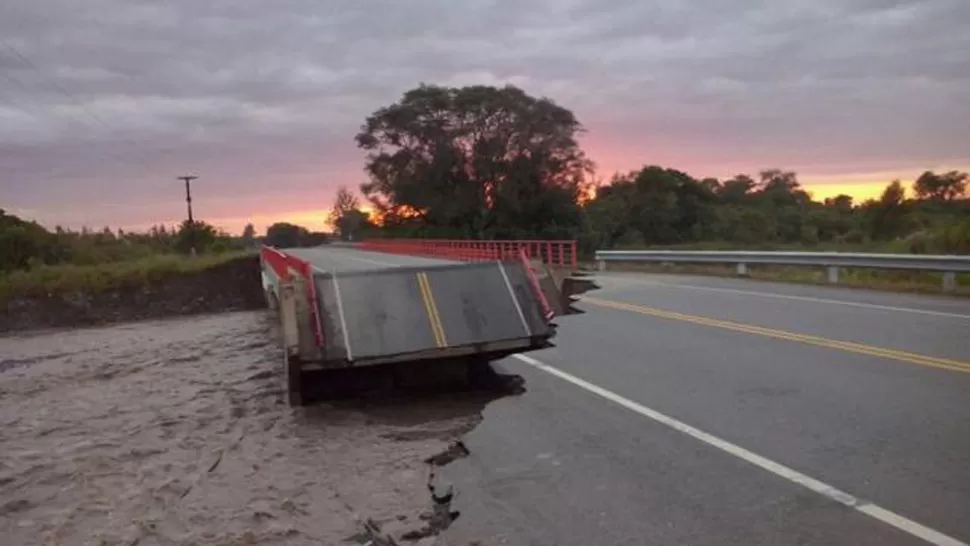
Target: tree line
{"type": "Point", "coordinates": [26, 244]}
{"type": "Point", "coordinates": [658, 206]}
{"type": "Point", "coordinates": [495, 163]}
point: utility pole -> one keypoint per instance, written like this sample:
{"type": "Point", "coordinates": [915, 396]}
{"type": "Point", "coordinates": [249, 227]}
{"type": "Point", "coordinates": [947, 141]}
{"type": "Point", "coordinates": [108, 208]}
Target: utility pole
{"type": "Point", "coordinates": [188, 201]}
{"type": "Point", "coordinates": [188, 193]}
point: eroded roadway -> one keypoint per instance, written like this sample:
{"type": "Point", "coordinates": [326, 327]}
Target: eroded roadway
{"type": "Point", "coordinates": [797, 395]}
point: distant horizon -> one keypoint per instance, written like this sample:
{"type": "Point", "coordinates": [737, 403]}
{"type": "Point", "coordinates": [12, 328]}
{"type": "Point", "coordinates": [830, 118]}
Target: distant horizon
{"type": "Point", "coordinates": [859, 186]}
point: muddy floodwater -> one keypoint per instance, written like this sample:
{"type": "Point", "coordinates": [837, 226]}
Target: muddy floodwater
{"type": "Point", "coordinates": [176, 433]}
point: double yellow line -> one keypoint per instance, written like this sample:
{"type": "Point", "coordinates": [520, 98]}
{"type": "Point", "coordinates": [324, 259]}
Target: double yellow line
{"type": "Point", "coordinates": [848, 346]}
{"type": "Point", "coordinates": [432, 309]}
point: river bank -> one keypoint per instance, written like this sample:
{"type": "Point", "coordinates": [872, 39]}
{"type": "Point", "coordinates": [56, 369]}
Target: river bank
{"type": "Point", "coordinates": [163, 286]}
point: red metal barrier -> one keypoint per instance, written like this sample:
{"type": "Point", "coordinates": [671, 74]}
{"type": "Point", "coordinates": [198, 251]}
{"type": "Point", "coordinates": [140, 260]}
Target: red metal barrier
{"type": "Point", "coordinates": [547, 311]}
{"type": "Point", "coordinates": [554, 253]}
{"type": "Point", "coordinates": [276, 260]}
{"type": "Point", "coordinates": [283, 264]}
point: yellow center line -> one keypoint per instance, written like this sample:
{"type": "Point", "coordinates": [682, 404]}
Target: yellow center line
{"type": "Point", "coordinates": [893, 354]}
{"type": "Point", "coordinates": [434, 312]}
{"type": "Point", "coordinates": [432, 309]}
{"type": "Point", "coordinates": [427, 307]}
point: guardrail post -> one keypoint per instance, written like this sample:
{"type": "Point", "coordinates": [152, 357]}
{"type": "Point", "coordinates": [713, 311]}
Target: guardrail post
{"type": "Point", "coordinates": [601, 265]}
{"type": "Point", "coordinates": [833, 274]}
{"type": "Point", "coordinates": [742, 270]}
{"type": "Point", "coordinates": [949, 281]}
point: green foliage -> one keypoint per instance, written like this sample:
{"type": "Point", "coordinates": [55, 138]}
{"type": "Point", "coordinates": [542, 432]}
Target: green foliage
{"type": "Point", "coordinates": [284, 234]}
{"type": "Point", "coordinates": [46, 280]}
{"type": "Point", "coordinates": [657, 206]}
{"type": "Point", "coordinates": [474, 162]}
{"type": "Point", "coordinates": [941, 187]}
{"type": "Point", "coordinates": [349, 222]}
{"type": "Point", "coordinates": [287, 235]}
{"type": "Point", "coordinates": [249, 236]}
{"type": "Point", "coordinates": [28, 246]}
{"type": "Point", "coordinates": [197, 237]}
{"type": "Point", "coordinates": [905, 281]}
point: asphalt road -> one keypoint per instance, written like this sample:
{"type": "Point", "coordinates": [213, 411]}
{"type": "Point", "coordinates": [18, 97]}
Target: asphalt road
{"type": "Point", "coordinates": [798, 396]}
{"type": "Point", "coordinates": [345, 260]}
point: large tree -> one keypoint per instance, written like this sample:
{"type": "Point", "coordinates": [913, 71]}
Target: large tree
{"type": "Point", "coordinates": [941, 187]}
{"type": "Point", "coordinates": [195, 236]}
{"type": "Point", "coordinates": [348, 220]}
{"type": "Point", "coordinates": [475, 161]}
{"type": "Point", "coordinates": [285, 234]}
{"type": "Point", "coordinates": [249, 236]}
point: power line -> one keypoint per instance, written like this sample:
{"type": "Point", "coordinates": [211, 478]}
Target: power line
{"type": "Point", "coordinates": [16, 102]}
{"type": "Point", "coordinates": [26, 61]}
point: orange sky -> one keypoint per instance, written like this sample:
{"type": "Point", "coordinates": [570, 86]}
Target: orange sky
{"type": "Point", "coordinates": [316, 218]}
{"type": "Point", "coordinates": [304, 197]}
{"type": "Point", "coordinates": [822, 176]}
{"type": "Point", "coordinates": [859, 186]}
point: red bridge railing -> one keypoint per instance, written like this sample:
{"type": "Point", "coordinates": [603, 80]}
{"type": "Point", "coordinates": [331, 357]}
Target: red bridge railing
{"type": "Point", "coordinates": [554, 253]}
{"type": "Point", "coordinates": [284, 265]}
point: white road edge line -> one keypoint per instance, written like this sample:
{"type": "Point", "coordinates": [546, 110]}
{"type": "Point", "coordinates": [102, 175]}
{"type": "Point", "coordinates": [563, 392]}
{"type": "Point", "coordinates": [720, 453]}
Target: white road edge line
{"type": "Point", "coordinates": [343, 318]}
{"type": "Point", "coordinates": [340, 309]}
{"type": "Point", "coordinates": [515, 299]}
{"type": "Point", "coordinates": [815, 300]}
{"type": "Point", "coordinates": [874, 511]}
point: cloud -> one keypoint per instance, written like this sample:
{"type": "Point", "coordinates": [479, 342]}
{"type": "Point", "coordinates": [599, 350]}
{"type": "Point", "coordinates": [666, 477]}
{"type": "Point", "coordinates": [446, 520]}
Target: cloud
{"type": "Point", "coordinates": [103, 103]}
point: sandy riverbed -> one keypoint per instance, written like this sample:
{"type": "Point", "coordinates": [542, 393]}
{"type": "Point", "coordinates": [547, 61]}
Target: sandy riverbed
{"type": "Point", "coordinates": [176, 432]}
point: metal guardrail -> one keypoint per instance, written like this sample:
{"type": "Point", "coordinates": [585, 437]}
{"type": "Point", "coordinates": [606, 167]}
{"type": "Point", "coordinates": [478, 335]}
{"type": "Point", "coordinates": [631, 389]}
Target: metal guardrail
{"type": "Point", "coordinates": [283, 264]}
{"type": "Point", "coordinates": [947, 264]}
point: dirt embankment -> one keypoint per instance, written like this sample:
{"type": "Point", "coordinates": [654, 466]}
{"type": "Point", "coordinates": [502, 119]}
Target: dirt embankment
{"type": "Point", "coordinates": [230, 286]}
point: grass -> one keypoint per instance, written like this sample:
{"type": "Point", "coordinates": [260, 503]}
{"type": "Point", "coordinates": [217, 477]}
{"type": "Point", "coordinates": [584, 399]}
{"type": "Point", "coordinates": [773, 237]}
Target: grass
{"type": "Point", "coordinates": [897, 281]}
{"type": "Point", "coordinates": [48, 280]}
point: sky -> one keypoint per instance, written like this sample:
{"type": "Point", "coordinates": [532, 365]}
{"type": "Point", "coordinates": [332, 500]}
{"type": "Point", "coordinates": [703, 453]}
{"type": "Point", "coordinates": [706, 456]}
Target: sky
{"type": "Point", "coordinates": [103, 103]}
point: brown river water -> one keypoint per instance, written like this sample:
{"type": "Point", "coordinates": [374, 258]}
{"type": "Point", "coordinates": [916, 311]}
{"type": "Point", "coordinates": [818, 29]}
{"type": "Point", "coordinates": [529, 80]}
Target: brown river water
{"type": "Point", "coordinates": [176, 432]}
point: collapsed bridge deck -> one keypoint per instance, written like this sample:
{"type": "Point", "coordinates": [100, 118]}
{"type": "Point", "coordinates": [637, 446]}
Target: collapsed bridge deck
{"type": "Point", "coordinates": [343, 308]}
{"type": "Point", "coordinates": [387, 315]}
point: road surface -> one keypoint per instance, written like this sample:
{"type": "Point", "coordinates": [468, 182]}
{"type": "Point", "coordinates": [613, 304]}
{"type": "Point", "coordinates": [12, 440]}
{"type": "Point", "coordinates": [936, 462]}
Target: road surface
{"type": "Point", "coordinates": [689, 410]}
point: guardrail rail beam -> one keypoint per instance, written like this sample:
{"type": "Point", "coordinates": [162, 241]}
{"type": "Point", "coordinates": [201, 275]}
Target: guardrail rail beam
{"type": "Point", "coordinates": [949, 265]}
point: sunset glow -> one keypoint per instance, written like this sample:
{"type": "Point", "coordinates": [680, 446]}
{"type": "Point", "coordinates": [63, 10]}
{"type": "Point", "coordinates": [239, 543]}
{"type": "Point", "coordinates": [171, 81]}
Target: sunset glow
{"type": "Point", "coordinates": [859, 186]}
